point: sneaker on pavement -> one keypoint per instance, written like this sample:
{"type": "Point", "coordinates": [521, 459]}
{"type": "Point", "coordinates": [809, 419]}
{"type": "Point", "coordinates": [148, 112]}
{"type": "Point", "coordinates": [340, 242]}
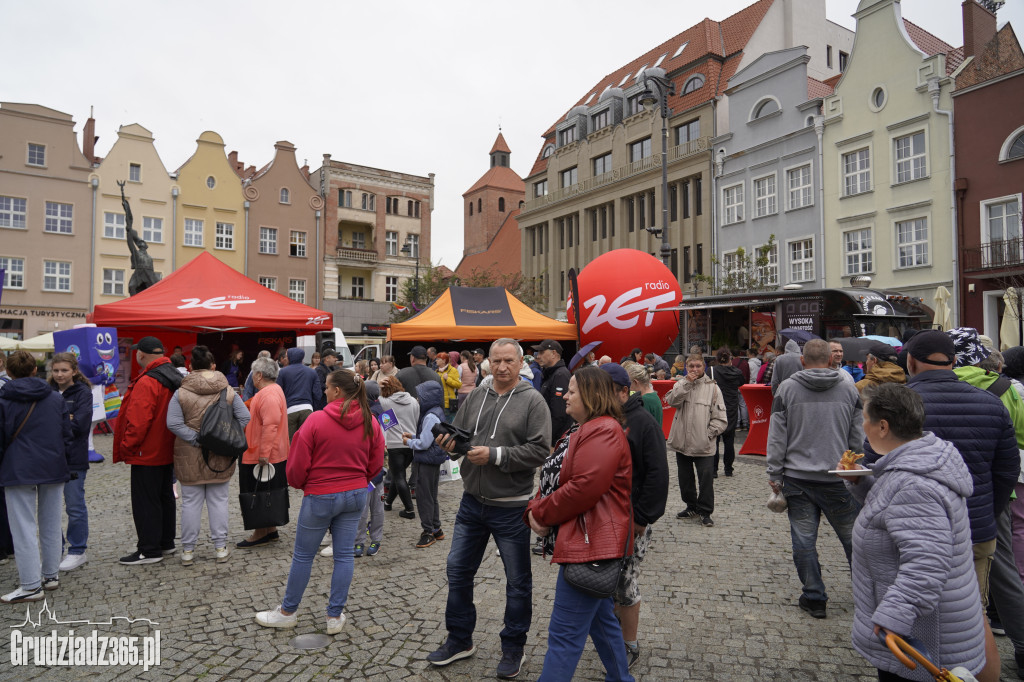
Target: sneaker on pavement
{"type": "Point", "coordinates": [19, 596]}
{"type": "Point", "coordinates": [276, 619]}
{"type": "Point", "coordinates": [632, 655]}
{"type": "Point", "coordinates": [688, 514]}
{"type": "Point", "coordinates": [815, 607]}
{"type": "Point", "coordinates": [706, 521]}
{"type": "Point", "coordinates": [373, 548]}
{"type": "Point", "coordinates": [50, 584]}
{"type": "Point", "coordinates": [72, 561]}
{"type": "Point", "coordinates": [439, 534]}
{"type": "Point", "coordinates": [538, 549]}
{"type": "Point", "coordinates": [221, 554]}
{"type": "Point", "coordinates": [188, 557]}
{"type": "Point", "coordinates": [327, 551]}
{"type": "Point", "coordinates": [407, 514]}
{"type": "Point", "coordinates": [169, 551]}
{"type": "Point", "coordinates": [357, 551]}
{"type": "Point", "coordinates": [137, 558]}
{"type": "Point", "coordinates": [450, 652]}
{"type": "Point", "coordinates": [426, 540]}
{"type": "Point", "coordinates": [334, 625]}
{"type": "Point", "coordinates": [509, 665]}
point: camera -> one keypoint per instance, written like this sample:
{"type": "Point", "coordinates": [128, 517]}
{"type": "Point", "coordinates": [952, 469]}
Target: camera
{"type": "Point", "coordinates": [462, 437]}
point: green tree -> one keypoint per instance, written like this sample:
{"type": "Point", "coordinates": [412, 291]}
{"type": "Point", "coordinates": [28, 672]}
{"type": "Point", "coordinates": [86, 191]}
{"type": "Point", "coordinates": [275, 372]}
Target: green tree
{"type": "Point", "coordinates": [434, 281]}
{"type": "Point", "coordinates": [744, 272]}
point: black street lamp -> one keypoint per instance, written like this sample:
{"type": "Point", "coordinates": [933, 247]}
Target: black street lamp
{"type": "Point", "coordinates": [407, 250]}
{"type": "Point", "coordinates": [649, 99]}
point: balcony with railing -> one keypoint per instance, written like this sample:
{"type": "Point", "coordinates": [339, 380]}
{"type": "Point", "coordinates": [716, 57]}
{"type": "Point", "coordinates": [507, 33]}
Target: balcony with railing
{"type": "Point", "coordinates": [995, 254]}
{"type": "Point", "coordinates": [630, 170]}
{"type": "Point", "coordinates": [357, 255]}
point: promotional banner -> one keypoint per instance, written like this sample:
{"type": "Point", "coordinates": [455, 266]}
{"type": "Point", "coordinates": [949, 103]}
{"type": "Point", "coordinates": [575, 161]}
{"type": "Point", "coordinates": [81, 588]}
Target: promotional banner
{"type": "Point", "coordinates": [802, 314]}
{"type": "Point", "coordinates": [617, 291]}
{"type": "Point", "coordinates": [96, 350]}
{"type": "Point", "coordinates": [762, 331]}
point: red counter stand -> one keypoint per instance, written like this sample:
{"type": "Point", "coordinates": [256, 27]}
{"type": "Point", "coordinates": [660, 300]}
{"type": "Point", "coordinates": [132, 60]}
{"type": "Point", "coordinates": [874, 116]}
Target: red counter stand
{"type": "Point", "coordinates": [759, 406]}
{"type": "Point", "coordinates": [663, 386]}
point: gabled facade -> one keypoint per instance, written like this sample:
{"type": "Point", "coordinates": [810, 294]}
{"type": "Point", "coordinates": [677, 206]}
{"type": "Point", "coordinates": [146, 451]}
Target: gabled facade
{"type": "Point", "coordinates": [152, 195]}
{"type": "Point", "coordinates": [596, 184]}
{"type": "Point", "coordinates": [887, 158]}
{"type": "Point", "coordinates": [46, 221]}
{"type": "Point", "coordinates": [990, 169]}
{"type": "Point", "coordinates": [768, 168]}
{"type": "Point", "coordinates": [284, 237]}
{"type": "Point", "coordinates": [211, 216]}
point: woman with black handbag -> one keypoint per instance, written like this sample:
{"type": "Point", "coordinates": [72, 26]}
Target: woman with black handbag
{"type": "Point", "coordinates": [589, 507]}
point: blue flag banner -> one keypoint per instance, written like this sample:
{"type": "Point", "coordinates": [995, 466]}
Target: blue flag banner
{"type": "Point", "coordinates": [3, 278]}
{"type": "Point", "coordinates": [388, 420]}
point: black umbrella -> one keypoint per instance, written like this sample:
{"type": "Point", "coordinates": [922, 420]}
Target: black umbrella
{"type": "Point", "coordinates": [854, 350]}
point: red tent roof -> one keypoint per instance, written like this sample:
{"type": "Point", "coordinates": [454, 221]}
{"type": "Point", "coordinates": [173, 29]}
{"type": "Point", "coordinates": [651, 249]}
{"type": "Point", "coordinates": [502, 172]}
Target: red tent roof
{"type": "Point", "coordinates": [207, 295]}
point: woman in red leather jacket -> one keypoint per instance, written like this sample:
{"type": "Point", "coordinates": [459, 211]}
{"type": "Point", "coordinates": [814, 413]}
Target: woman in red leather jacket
{"type": "Point", "coordinates": [589, 509]}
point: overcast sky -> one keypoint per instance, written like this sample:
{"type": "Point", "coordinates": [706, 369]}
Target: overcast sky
{"type": "Point", "coordinates": [408, 86]}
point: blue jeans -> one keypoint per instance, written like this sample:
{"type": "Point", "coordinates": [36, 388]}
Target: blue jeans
{"type": "Point", "coordinates": [806, 501]}
{"type": "Point", "coordinates": [573, 616]}
{"type": "Point", "coordinates": [340, 513]}
{"type": "Point", "coordinates": [474, 524]}
{"type": "Point", "coordinates": [78, 517]}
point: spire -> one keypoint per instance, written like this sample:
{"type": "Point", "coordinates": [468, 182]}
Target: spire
{"type": "Point", "coordinates": [500, 151]}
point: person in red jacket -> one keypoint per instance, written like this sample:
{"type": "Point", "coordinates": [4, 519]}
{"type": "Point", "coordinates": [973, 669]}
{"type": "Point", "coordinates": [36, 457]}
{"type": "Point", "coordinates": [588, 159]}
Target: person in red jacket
{"type": "Point", "coordinates": [333, 456]}
{"type": "Point", "coordinates": [591, 510]}
{"type": "Point", "coordinates": [143, 440]}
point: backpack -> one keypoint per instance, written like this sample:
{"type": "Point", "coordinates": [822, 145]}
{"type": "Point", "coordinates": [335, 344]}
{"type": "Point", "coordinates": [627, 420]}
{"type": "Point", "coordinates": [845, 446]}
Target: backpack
{"type": "Point", "coordinates": [434, 454]}
{"type": "Point", "coordinates": [221, 433]}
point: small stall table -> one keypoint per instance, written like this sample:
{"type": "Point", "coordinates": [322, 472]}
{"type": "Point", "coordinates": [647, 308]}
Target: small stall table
{"type": "Point", "coordinates": [759, 406]}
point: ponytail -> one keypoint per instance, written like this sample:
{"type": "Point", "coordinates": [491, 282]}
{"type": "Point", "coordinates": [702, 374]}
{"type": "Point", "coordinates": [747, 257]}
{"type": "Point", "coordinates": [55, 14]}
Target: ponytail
{"type": "Point", "coordinates": [353, 387]}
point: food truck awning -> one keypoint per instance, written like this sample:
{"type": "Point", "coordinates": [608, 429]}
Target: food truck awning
{"type": "Point", "coordinates": [707, 306]}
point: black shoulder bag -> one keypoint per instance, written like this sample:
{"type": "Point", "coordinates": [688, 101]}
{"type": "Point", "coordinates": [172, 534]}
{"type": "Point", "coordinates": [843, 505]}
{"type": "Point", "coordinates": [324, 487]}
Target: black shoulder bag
{"type": "Point", "coordinates": [599, 579]}
{"type": "Point", "coordinates": [221, 434]}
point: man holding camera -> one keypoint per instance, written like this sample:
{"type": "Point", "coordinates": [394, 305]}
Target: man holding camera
{"type": "Point", "coordinates": [510, 426]}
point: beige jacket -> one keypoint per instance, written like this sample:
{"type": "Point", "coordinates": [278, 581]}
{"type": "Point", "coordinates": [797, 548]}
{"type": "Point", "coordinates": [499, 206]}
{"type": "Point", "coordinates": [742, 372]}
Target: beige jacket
{"type": "Point", "coordinates": [198, 391]}
{"type": "Point", "coordinates": [700, 416]}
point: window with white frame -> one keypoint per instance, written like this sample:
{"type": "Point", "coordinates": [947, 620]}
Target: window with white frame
{"type": "Point", "coordinates": [297, 290]}
{"type": "Point", "coordinates": [113, 225]}
{"type": "Point", "coordinates": [269, 282]}
{"type": "Point", "coordinates": [731, 263]}
{"type": "Point", "coordinates": [912, 243]}
{"type": "Point", "coordinates": [390, 243]}
{"type": "Point", "coordinates": [764, 196]}
{"type": "Point", "coordinates": [268, 240]}
{"type": "Point", "coordinates": [286, 196]}
{"type": "Point", "coordinates": [193, 232]}
{"type": "Point", "coordinates": [153, 229]}
{"type": "Point", "coordinates": [58, 217]}
{"type": "Point", "coordinates": [858, 251]}
{"type": "Point", "coordinates": [770, 271]}
{"type": "Point", "coordinates": [390, 289]}
{"type": "Point", "coordinates": [910, 157]}
{"type": "Point", "coordinates": [413, 240]}
{"type": "Point", "coordinates": [801, 260]}
{"type": "Point", "coordinates": [36, 154]}
{"type": "Point", "coordinates": [225, 236]}
{"type": "Point", "coordinates": [358, 240]}
{"type": "Point", "coordinates": [799, 190]}
{"type": "Point", "coordinates": [14, 272]}
{"type": "Point", "coordinates": [358, 287]}
{"type": "Point", "coordinates": [13, 212]}
{"type": "Point", "coordinates": [113, 282]}
{"type": "Point", "coordinates": [56, 276]}
{"type": "Point", "coordinates": [297, 245]}
{"type": "Point", "coordinates": [732, 204]}
{"type": "Point", "coordinates": [135, 172]}
{"type": "Point", "coordinates": [857, 172]}
{"type": "Point", "coordinates": [1002, 231]}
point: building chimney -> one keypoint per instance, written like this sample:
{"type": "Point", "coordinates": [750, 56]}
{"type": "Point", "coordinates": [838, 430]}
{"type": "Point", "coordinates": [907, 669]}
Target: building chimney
{"type": "Point", "coordinates": [233, 160]}
{"type": "Point", "coordinates": [979, 27]}
{"type": "Point", "coordinates": [89, 139]}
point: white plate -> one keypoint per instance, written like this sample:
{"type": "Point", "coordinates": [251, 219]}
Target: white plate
{"type": "Point", "coordinates": [852, 472]}
{"type": "Point", "coordinates": [267, 471]}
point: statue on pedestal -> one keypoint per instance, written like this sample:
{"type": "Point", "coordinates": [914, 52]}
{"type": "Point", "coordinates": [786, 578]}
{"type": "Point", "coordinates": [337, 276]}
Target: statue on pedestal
{"type": "Point", "coordinates": [143, 275]}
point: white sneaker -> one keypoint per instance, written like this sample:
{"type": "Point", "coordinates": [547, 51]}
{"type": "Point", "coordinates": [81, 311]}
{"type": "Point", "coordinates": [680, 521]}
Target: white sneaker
{"type": "Point", "coordinates": [276, 619]}
{"type": "Point", "coordinates": [327, 551]}
{"type": "Point", "coordinates": [20, 595]}
{"type": "Point", "coordinates": [221, 554]}
{"type": "Point", "coordinates": [187, 557]}
{"type": "Point", "coordinates": [72, 561]}
{"type": "Point", "coordinates": [334, 625]}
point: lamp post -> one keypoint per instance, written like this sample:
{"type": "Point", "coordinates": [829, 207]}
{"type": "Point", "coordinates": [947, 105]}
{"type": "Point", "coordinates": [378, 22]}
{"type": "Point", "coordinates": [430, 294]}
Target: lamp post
{"type": "Point", "coordinates": [407, 250]}
{"type": "Point", "coordinates": [649, 100]}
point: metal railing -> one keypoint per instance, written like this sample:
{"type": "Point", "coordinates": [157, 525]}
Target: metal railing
{"type": "Point", "coordinates": [995, 254]}
{"type": "Point", "coordinates": [645, 165]}
{"type": "Point", "coordinates": [360, 255]}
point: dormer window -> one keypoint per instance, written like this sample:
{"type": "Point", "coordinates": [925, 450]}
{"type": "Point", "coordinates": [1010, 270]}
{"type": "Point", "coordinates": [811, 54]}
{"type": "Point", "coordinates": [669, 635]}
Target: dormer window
{"type": "Point", "coordinates": [694, 83]}
{"type": "Point", "coordinates": [567, 136]}
{"type": "Point", "coordinates": [764, 108]}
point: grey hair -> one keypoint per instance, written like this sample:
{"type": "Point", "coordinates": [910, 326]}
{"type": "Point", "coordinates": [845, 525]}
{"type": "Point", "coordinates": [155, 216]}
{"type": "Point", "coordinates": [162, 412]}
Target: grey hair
{"type": "Point", "coordinates": [506, 342]}
{"type": "Point", "coordinates": [266, 367]}
{"type": "Point", "coordinates": [263, 354]}
{"type": "Point", "coordinates": [993, 363]}
{"type": "Point", "coordinates": [638, 373]}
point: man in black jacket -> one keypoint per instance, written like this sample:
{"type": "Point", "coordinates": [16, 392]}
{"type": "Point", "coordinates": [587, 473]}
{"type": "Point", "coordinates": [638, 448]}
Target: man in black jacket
{"type": "Point", "coordinates": [649, 495]}
{"type": "Point", "coordinates": [554, 385]}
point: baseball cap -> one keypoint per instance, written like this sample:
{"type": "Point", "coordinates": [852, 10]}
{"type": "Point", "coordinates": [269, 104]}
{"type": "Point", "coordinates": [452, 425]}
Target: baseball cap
{"type": "Point", "coordinates": [929, 341]}
{"type": "Point", "coordinates": [328, 352]}
{"type": "Point", "coordinates": [968, 346]}
{"type": "Point", "coordinates": [480, 351]}
{"type": "Point", "coordinates": [548, 344]}
{"type": "Point", "coordinates": [418, 352]}
{"type": "Point", "coordinates": [882, 351]}
{"type": "Point", "coordinates": [150, 345]}
{"type": "Point", "coordinates": [618, 374]}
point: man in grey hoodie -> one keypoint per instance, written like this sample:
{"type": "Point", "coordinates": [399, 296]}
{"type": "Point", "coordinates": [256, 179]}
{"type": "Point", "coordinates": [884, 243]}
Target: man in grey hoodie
{"type": "Point", "coordinates": [511, 427]}
{"type": "Point", "coordinates": [786, 365]}
{"type": "Point", "coordinates": [815, 417]}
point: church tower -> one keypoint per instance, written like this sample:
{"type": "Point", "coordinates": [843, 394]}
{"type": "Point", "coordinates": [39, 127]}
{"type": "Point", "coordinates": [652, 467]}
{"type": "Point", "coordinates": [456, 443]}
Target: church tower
{"type": "Point", "coordinates": [488, 203]}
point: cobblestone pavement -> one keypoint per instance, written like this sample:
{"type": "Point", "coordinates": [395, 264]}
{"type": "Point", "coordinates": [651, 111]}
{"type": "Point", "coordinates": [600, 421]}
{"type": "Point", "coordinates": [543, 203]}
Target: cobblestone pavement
{"type": "Point", "coordinates": [719, 603]}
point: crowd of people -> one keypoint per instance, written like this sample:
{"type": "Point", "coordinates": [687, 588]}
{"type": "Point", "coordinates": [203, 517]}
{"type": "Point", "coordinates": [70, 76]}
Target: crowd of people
{"type": "Point", "coordinates": [935, 544]}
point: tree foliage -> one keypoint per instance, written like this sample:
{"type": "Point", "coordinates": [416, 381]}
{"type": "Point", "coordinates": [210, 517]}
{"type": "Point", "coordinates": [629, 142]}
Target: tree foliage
{"type": "Point", "coordinates": [747, 272]}
{"type": "Point", "coordinates": [434, 281]}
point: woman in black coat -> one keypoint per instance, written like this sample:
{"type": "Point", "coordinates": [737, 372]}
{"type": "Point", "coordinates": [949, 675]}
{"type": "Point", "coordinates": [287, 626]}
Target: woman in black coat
{"type": "Point", "coordinates": [729, 380]}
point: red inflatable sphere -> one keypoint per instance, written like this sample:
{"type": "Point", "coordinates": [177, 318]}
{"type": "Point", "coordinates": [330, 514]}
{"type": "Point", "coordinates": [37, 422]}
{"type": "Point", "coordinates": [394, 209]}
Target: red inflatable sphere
{"type": "Point", "coordinates": [616, 290]}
